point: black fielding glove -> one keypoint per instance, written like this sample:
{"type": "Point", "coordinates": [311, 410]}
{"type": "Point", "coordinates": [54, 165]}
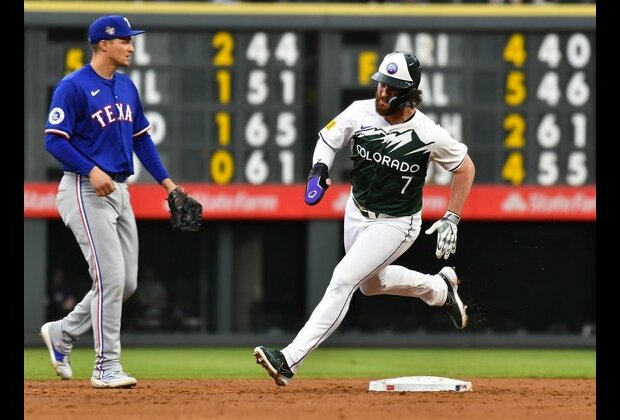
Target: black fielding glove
{"type": "Point", "coordinates": [185, 212]}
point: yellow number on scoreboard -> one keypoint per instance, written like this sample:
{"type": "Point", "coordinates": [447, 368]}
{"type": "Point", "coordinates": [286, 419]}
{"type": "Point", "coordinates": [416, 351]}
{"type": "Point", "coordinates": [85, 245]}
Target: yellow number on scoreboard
{"type": "Point", "coordinates": [515, 125]}
{"type": "Point", "coordinates": [222, 119]}
{"type": "Point", "coordinates": [225, 45]}
{"type": "Point", "coordinates": [514, 168]}
{"type": "Point", "coordinates": [516, 92]}
{"type": "Point", "coordinates": [223, 82]}
{"type": "Point", "coordinates": [222, 167]}
{"type": "Point", "coordinates": [514, 50]}
{"type": "Point", "coordinates": [74, 59]}
{"type": "Point", "coordinates": [366, 66]}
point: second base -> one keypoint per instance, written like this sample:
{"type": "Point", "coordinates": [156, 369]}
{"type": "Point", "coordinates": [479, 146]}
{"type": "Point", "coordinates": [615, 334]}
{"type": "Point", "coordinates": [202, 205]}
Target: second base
{"type": "Point", "coordinates": [420, 384]}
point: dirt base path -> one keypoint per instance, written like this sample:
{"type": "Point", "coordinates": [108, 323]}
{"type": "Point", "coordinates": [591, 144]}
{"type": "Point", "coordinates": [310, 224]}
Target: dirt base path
{"type": "Point", "coordinates": [530, 399]}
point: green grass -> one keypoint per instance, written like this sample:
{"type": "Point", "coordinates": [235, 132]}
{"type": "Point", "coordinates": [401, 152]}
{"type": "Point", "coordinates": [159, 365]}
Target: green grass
{"type": "Point", "coordinates": [228, 363]}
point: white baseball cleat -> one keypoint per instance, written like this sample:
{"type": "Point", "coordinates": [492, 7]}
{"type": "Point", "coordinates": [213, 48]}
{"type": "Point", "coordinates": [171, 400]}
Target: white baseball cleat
{"type": "Point", "coordinates": [117, 379]}
{"type": "Point", "coordinates": [60, 361]}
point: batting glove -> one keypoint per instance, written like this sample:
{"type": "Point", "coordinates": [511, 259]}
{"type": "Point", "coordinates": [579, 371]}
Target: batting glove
{"type": "Point", "coordinates": [317, 184]}
{"type": "Point", "coordinates": [446, 234]}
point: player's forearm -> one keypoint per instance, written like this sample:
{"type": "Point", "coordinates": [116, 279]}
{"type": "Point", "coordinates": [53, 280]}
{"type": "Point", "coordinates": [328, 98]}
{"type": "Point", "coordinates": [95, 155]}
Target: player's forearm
{"type": "Point", "coordinates": [147, 153]}
{"type": "Point", "coordinates": [461, 185]}
{"type": "Point", "coordinates": [323, 153]}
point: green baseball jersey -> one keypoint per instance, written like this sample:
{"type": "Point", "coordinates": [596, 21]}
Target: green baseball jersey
{"type": "Point", "coordinates": [390, 161]}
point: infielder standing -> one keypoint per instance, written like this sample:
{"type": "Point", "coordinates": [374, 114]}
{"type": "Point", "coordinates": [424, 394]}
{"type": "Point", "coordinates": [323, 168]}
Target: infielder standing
{"type": "Point", "coordinates": [95, 124]}
{"type": "Point", "coordinates": [392, 144]}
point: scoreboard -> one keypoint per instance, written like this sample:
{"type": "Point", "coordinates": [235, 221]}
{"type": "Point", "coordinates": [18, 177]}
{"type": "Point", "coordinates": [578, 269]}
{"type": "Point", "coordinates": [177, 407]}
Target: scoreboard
{"type": "Point", "coordinates": [231, 101]}
{"type": "Point", "coordinates": [524, 102]}
{"type": "Point", "coordinates": [224, 107]}
{"type": "Point", "coordinates": [236, 94]}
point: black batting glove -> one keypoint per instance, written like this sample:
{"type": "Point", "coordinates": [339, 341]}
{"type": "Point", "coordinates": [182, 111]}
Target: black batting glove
{"type": "Point", "coordinates": [317, 184]}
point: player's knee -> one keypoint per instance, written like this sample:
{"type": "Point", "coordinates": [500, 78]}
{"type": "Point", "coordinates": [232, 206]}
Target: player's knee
{"type": "Point", "coordinates": [343, 277]}
{"type": "Point", "coordinates": [131, 284]}
{"type": "Point", "coordinates": [129, 290]}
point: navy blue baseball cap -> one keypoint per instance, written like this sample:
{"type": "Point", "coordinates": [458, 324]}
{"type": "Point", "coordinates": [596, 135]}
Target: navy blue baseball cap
{"type": "Point", "coordinates": [110, 27]}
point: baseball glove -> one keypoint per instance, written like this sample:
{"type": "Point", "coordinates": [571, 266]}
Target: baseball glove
{"type": "Point", "coordinates": [185, 212]}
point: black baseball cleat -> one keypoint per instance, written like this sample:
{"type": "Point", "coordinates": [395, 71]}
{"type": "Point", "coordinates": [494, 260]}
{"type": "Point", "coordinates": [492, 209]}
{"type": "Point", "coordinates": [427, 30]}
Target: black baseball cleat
{"type": "Point", "coordinates": [274, 363]}
{"type": "Point", "coordinates": [454, 306]}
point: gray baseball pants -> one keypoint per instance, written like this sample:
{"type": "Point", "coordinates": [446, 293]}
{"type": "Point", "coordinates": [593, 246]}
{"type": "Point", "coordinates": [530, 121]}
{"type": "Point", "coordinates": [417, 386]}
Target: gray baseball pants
{"type": "Point", "coordinates": [105, 228]}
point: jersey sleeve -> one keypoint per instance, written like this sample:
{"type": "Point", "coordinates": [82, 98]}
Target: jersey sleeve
{"type": "Point", "coordinates": [446, 151]}
{"type": "Point", "coordinates": [64, 108]}
{"type": "Point", "coordinates": [337, 133]}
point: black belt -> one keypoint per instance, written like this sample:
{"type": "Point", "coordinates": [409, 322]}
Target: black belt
{"type": "Point", "coordinates": [365, 212]}
{"type": "Point", "coordinates": [118, 177]}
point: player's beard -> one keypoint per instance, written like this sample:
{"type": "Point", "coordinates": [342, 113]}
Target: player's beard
{"type": "Point", "coordinates": [382, 108]}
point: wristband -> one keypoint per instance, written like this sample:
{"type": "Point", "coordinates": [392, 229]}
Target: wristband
{"type": "Point", "coordinates": [452, 217]}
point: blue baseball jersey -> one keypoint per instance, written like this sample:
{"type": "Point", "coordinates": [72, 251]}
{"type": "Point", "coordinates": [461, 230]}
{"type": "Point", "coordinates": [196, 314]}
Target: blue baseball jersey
{"type": "Point", "coordinates": [100, 118]}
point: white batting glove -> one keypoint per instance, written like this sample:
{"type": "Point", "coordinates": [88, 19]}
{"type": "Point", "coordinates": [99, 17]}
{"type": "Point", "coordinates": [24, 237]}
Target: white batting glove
{"type": "Point", "coordinates": [446, 234]}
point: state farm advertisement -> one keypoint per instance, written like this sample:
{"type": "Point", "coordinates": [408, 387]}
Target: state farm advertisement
{"type": "Point", "coordinates": [286, 202]}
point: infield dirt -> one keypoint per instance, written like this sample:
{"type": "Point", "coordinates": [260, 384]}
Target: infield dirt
{"type": "Point", "coordinates": [530, 399]}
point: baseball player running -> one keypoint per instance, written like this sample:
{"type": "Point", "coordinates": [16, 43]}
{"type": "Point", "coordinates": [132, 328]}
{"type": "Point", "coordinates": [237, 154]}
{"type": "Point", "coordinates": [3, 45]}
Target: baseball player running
{"type": "Point", "coordinates": [392, 144]}
{"type": "Point", "coordinates": [95, 124]}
